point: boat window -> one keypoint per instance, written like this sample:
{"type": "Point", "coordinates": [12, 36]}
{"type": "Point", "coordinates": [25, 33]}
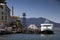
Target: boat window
{"type": "Point", "coordinates": [46, 25]}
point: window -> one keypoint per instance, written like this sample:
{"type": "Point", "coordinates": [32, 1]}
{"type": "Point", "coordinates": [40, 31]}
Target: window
{"type": "Point", "coordinates": [1, 6]}
{"type": "Point", "coordinates": [46, 25]}
{"type": "Point", "coordinates": [2, 17]}
{"type": "Point", "coordinates": [5, 17]}
{"type": "Point", "coordinates": [2, 13]}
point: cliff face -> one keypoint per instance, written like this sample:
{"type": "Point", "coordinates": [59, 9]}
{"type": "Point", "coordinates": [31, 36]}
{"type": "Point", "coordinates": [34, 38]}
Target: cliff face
{"type": "Point", "coordinates": [38, 21]}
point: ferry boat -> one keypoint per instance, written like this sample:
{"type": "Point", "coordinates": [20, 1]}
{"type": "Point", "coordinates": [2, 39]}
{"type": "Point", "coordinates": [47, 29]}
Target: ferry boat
{"type": "Point", "coordinates": [46, 28]}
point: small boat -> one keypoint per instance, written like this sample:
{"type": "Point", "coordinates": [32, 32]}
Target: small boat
{"type": "Point", "coordinates": [46, 28]}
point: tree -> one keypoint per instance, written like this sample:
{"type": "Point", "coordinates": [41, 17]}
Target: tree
{"type": "Point", "coordinates": [17, 23]}
{"type": "Point", "coordinates": [2, 1]}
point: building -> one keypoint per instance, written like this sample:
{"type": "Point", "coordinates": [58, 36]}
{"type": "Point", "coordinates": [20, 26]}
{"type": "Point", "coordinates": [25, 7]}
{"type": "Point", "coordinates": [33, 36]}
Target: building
{"type": "Point", "coordinates": [32, 27]}
{"type": "Point", "coordinates": [14, 18]}
{"type": "Point", "coordinates": [4, 14]}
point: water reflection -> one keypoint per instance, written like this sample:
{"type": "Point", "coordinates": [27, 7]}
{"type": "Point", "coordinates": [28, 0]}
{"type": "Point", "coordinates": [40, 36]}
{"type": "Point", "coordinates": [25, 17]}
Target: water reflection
{"type": "Point", "coordinates": [45, 35]}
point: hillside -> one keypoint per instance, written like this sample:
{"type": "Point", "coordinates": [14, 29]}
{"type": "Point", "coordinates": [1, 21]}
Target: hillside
{"type": "Point", "coordinates": [38, 21]}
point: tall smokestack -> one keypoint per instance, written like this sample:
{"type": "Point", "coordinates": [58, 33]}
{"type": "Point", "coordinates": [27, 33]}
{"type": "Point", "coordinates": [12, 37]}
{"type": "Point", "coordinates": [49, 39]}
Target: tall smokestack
{"type": "Point", "coordinates": [12, 11]}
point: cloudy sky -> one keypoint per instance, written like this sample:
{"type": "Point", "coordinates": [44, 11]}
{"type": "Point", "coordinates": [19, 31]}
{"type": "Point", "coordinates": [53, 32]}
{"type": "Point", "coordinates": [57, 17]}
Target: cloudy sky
{"type": "Point", "coordinates": [49, 9]}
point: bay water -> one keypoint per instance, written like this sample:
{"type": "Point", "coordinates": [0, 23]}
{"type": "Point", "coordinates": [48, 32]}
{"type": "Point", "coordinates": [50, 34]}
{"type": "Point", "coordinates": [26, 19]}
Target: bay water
{"type": "Point", "coordinates": [55, 36]}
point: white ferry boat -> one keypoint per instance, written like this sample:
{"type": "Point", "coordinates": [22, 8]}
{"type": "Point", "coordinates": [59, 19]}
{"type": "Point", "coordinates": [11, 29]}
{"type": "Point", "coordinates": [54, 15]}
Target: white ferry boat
{"type": "Point", "coordinates": [46, 27]}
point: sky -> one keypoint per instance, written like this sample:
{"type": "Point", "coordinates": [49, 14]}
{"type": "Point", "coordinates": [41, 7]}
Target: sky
{"type": "Point", "coordinates": [49, 9]}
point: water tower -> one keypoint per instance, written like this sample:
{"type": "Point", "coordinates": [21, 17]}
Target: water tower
{"type": "Point", "coordinates": [24, 19]}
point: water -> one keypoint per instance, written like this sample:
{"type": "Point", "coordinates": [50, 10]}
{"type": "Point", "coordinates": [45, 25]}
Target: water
{"type": "Point", "coordinates": [55, 36]}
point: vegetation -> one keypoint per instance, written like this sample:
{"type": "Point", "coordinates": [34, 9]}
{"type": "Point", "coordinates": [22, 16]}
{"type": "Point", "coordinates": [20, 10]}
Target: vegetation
{"type": "Point", "coordinates": [17, 23]}
{"type": "Point", "coordinates": [2, 1]}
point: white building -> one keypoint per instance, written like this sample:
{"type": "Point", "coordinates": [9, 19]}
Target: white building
{"type": "Point", "coordinates": [8, 28]}
{"type": "Point", "coordinates": [4, 14]}
{"type": "Point", "coordinates": [32, 26]}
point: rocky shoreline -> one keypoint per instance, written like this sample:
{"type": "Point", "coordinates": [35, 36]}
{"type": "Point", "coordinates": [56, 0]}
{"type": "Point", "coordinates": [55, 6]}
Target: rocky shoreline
{"type": "Point", "coordinates": [24, 32]}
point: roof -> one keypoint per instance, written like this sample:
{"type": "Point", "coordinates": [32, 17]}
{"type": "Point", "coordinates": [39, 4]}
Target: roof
{"type": "Point", "coordinates": [15, 17]}
{"type": "Point", "coordinates": [32, 26]}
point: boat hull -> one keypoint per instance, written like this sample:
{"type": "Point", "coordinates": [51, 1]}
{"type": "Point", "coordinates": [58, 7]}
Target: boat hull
{"type": "Point", "coordinates": [47, 32]}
